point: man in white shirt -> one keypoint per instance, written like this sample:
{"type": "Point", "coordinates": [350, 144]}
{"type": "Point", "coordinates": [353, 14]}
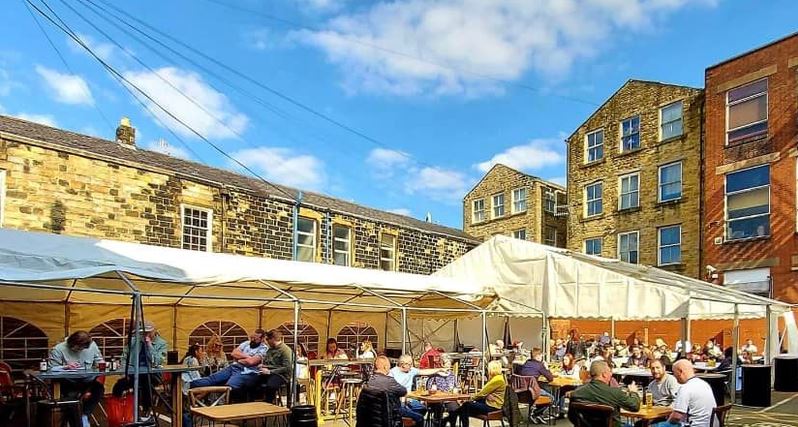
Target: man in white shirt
{"type": "Point", "coordinates": [749, 347]}
{"type": "Point", "coordinates": [664, 387]}
{"type": "Point", "coordinates": [695, 401]}
{"type": "Point", "coordinates": [243, 374]}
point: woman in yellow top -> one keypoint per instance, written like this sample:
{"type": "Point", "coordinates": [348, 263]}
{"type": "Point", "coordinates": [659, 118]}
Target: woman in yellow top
{"type": "Point", "coordinates": [489, 399]}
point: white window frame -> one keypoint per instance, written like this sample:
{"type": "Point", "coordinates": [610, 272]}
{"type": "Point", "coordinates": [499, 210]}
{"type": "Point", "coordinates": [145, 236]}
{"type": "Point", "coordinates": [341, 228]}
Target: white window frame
{"type": "Point", "coordinates": [3, 195]}
{"type": "Point", "coordinates": [516, 201]}
{"type": "Point", "coordinates": [494, 206]}
{"type": "Point", "coordinates": [348, 241]}
{"type": "Point", "coordinates": [660, 246]}
{"type": "Point", "coordinates": [621, 194]}
{"type": "Point", "coordinates": [662, 124]}
{"type": "Point", "coordinates": [726, 195]}
{"type": "Point", "coordinates": [637, 239]}
{"type": "Point", "coordinates": [546, 240]}
{"type": "Point", "coordinates": [517, 233]}
{"type": "Point", "coordinates": [550, 201]}
{"type": "Point", "coordinates": [660, 184]}
{"type": "Point", "coordinates": [740, 101]}
{"type": "Point", "coordinates": [392, 250]}
{"type": "Point", "coordinates": [208, 230]}
{"type": "Point", "coordinates": [313, 233]}
{"type": "Point", "coordinates": [474, 211]}
{"type": "Point", "coordinates": [620, 130]}
{"type": "Point", "coordinates": [588, 201]}
{"type": "Point", "coordinates": [601, 245]}
{"type": "Point", "coordinates": [588, 147]}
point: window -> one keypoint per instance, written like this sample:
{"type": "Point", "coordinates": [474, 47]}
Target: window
{"type": "Point", "coordinates": [670, 121]}
{"type": "Point", "coordinates": [551, 236]}
{"type": "Point", "coordinates": [754, 280]}
{"type": "Point", "coordinates": [670, 182]}
{"type": "Point", "coordinates": [748, 203]}
{"type": "Point", "coordinates": [520, 234]}
{"type": "Point", "coordinates": [196, 228]}
{"type": "Point", "coordinates": [629, 196]}
{"type": "Point", "coordinates": [498, 205]}
{"type": "Point", "coordinates": [550, 201]}
{"type": "Point", "coordinates": [306, 239]}
{"type": "Point", "coordinates": [670, 245]}
{"type": "Point", "coordinates": [630, 134]}
{"type": "Point", "coordinates": [595, 146]}
{"type": "Point", "coordinates": [478, 211]}
{"type": "Point", "coordinates": [388, 252]}
{"type": "Point", "coordinates": [230, 334]}
{"type": "Point", "coordinates": [22, 344]}
{"type": "Point", "coordinates": [351, 335]}
{"type": "Point", "coordinates": [342, 245]}
{"type": "Point", "coordinates": [593, 199]}
{"type": "Point", "coordinates": [628, 247]}
{"type": "Point", "coordinates": [747, 112]}
{"type": "Point", "coordinates": [519, 200]}
{"type": "Point", "coordinates": [593, 246]}
{"type": "Point", "coordinates": [308, 335]}
{"type": "Point", "coordinates": [2, 194]}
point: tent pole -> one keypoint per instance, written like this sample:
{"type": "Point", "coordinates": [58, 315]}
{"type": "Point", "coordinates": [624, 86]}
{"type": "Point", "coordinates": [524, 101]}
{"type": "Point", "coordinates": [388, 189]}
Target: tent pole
{"type": "Point", "coordinates": [174, 327]}
{"type": "Point", "coordinates": [294, 389]}
{"type": "Point", "coordinates": [404, 330]}
{"type": "Point", "coordinates": [66, 319]}
{"type": "Point", "coordinates": [485, 350]}
{"type": "Point", "coordinates": [735, 344]}
{"type": "Point", "coordinates": [769, 347]}
{"type": "Point", "coordinates": [139, 328]}
{"type": "Point", "coordinates": [544, 339]}
{"type": "Point", "coordinates": [612, 328]}
{"type": "Point", "coordinates": [683, 337]}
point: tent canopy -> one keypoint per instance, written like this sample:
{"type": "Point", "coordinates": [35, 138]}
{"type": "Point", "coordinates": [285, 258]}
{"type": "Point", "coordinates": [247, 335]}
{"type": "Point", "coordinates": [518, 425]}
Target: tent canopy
{"type": "Point", "coordinates": [566, 284]}
{"type": "Point", "coordinates": [52, 268]}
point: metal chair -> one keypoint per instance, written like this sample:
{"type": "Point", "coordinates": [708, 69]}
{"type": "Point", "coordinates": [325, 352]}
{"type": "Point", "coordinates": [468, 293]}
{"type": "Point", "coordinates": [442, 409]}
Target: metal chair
{"type": "Point", "coordinates": [584, 414]}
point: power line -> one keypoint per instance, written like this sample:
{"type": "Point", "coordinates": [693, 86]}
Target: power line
{"type": "Point", "coordinates": [68, 31]}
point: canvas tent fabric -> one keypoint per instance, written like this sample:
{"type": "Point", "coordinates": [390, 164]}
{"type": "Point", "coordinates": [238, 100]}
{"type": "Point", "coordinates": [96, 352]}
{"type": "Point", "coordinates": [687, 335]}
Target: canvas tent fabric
{"type": "Point", "coordinates": [566, 284]}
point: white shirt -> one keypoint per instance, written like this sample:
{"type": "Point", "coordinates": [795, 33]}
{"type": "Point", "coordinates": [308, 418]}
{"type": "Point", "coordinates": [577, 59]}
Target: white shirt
{"type": "Point", "coordinates": [696, 401]}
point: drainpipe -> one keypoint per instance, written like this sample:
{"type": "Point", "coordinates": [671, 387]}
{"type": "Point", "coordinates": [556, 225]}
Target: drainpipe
{"type": "Point", "coordinates": [297, 204]}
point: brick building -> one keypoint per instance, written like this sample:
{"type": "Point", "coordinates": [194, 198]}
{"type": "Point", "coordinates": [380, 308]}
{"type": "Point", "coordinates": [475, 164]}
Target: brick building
{"type": "Point", "coordinates": [506, 201]}
{"type": "Point", "coordinates": [634, 177]}
{"type": "Point", "coordinates": [63, 182]}
{"type": "Point", "coordinates": [750, 170]}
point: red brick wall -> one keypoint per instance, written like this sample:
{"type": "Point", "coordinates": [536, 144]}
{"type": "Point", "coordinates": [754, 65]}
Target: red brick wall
{"type": "Point", "coordinates": [778, 250]}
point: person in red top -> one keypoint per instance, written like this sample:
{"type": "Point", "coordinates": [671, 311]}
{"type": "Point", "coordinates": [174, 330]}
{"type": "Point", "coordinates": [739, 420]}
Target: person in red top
{"type": "Point", "coordinates": [430, 353]}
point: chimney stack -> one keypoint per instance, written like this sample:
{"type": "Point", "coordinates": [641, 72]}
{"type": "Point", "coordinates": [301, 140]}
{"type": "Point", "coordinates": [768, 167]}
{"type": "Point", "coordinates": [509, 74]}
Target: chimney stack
{"type": "Point", "coordinates": [126, 134]}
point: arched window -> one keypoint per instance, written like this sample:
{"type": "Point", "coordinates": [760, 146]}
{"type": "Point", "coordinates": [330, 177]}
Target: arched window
{"type": "Point", "coordinates": [308, 336]}
{"type": "Point", "coordinates": [110, 336]}
{"type": "Point", "coordinates": [351, 335]}
{"type": "Point", "coordinates": [230, 332]}
{"type": "Point", "coordinates": [22, 345]}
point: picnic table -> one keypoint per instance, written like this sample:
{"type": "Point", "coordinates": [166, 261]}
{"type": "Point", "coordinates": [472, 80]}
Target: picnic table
{"type": "Point", "coordinates": [243, 412]}
{"type": "Point", "coordinates": [646, 415]}
{"type": "Point", "coordinates": [435, 402]}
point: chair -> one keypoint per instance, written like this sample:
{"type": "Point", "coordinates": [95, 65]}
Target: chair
{"type": "Point", "coordinates": [584, 414]}
{"type": "Point", "coordinates": [203, 397]}
{"type": "Point", "coordinates": [720, 414]}
{"type": "Point", "coordinates": [87, 395]}
{"type": "Point", "coordinates": [509, 411]}
{"type": "Point", "coordinates": [12, 398]}
{"type": "Point", "coordinates": [528, 392]}
{"type": "Point", "coordinates": [376, 408]}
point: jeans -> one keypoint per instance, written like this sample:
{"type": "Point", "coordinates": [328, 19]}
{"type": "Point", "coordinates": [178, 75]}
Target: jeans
{"type": "Point", "coordinates": [231, 376]}
{"type": "Point", "coordinates": [415, 410]}
{"type": "Point", "coordinates": [474, 407]}
{"type": "Point", "coordinates": [271, 384]}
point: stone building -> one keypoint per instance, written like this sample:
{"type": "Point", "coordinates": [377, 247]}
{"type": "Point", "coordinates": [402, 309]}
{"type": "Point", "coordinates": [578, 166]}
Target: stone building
{"type": "Point", "coordinates": [506, 201]}
{"type": "Point", "coordinates": [750, 169]}
{"type": "Point", "coordinates": [63, 182]}
{"type": "Point", "coordinates": [634, 174]}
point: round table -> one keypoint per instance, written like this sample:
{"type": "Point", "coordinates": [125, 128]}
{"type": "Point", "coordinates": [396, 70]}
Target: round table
{"type": "Point", "coordinates": [718, 384]}
{"type": "Point", "coordinates": [756, 385]}
{"type": "Point", "coordinates": [786, 372]}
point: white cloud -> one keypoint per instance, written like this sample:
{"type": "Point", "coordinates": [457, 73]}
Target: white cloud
{"type": "Point", "coordinates": [215, 106]}
{"type": "Point", "coordinates": [164, 147]}
{"type": "Point", "coordinates": [44, 119]}
{"type": "Point", "coordinates": [7, 84]}
{"type": "Point", "coordinates": [501, 39]}
{"type": "Point", "coordinates": [106, 51]}
{"type": "Point", "coordinates": [384, 162]}
{"type": "Point", "coordinates": [321, 5]}
{"type": "Point", "coordinates": [283, 166]}
{"type": "Point", "coordinates": [536, 154]}
{"type": "Point", "coordinates": [437, 183]}
{"type": "Point", "coordinates": [401, 211]}
{"type": "Point", "coordinates": [66, 88]}
{"type": "Point", "coordinates": [561, 180]}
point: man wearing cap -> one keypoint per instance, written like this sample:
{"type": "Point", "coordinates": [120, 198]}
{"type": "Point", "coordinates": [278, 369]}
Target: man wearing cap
{"type": "Point", "coordinates": [242, 374]}
{"type": "Point", "coordinates": [152, 354]}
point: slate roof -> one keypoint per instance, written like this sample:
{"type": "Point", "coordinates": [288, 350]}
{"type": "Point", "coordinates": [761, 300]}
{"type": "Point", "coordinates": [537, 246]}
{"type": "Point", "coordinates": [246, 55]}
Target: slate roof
{"type": "Point", "coordinates": [113, 151]}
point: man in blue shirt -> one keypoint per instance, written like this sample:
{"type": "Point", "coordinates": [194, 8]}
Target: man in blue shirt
{"type": "Point", "coordinates": [242, 374]}
{"type": "Point", "coordinates": [405, 374]}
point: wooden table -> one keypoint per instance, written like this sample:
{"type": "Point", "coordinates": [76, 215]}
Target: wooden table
{"type": "Point", "coordinates": [647, 415]}
{"type": "Point", "coordinates": [557, 384]}
{"type": "Point", "coordinates": [436, 400]}
{"type": "Point", "coordinates": [242, 412]}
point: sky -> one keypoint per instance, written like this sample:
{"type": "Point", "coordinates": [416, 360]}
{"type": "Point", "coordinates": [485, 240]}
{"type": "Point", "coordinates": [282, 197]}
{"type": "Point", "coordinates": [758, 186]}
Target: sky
{"type": "Point", "coordinates": [398, 105]}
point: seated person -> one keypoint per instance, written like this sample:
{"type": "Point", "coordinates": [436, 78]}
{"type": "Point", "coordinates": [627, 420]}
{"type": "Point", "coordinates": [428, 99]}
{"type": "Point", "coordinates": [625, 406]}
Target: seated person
{"type": "Point", "coordinates": [333, 352]}
{"type": "Point", "coordinates": [663, 386]}
{"type": "Point", "coordinates": [405, 374]}
{"type": "Point", "coordinates": [381, 381]}
{"type": "Point", "coordinates": [242, 374]}
{"type": "Point", "coordinates": [278, 364]}
{"type": "Point", "coordinates": [430, 352]}
{"type": "Point", "coordinates": [637, 359]}
{"type": "Point", "coordinates": [151, 354]}
{"type": "Point", "coordinates": [192, 358]}
{"type": "Point", "coordinates": [598, 390]}
{"type": "Point", "coordinates": [489, 399]}
{"type": "Point", "coordinates": [214, 354]}
{"type": "Point", "coordinates": [694, 403]}
{"type": "Point", "coordinates": [302, 358]}
{"type": "Point", "coordinates": [366, 350]}
{"type": "Point", "coordinates": [726, 362]}
{"type": "Point", "coordinates": [78, 351]}
{"type": "Point", "coordinates": [534, 367]}
{"type": "Point", "coordinates": [445, 381]}
{"type": "Point", "coordinates": [570, 368]}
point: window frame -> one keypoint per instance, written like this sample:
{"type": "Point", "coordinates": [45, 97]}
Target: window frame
{"type": "Point", "coordinates": [620, 130]}
{"type": "Point", "coordinates": [621, 193]}
{"type": "Point", "coordinates": [546, 239]}
{"type": "Point", "coordinates": [663, 123]}
{"type": "Point", "coordinates": [209, 229]}
{"type": "Point", "coordinates": [766, 94]}
{"type": "Point", "coordinates": [520, 230]}
{"type": "Point", "coordinates": [596, 146]}
{"type": "Point", "coordinates": [393, 251]}
{"type": "Point", "coordinates": [314, 233]}
{"type": "Point", "coordinates": [515, 201]}
{"type": "Point", "coordinates": [660, 246]}
{"type": "Point", "coordinates": [493, 206]}
{"type": "Point", "coordinates": [474, 211]}
{"type": "Point", "coordinates": [660, 183]}
{"type": "Point", "coordinates": [628, 233]}
{"type": "Point", "coordinates": [727, 221]}
{"type": "Point", "coordinates": [550, 197]}
{"type": "Point", "coordinates": [588, 201]}
{"type": "Point", "coordinates": [348, 251]}
{"type": "Point", "coordinates": [593, 239]}
{"type": "Point", "coordinates": [2, 195]}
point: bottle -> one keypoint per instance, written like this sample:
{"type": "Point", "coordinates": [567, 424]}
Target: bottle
{"type": "Point", "coordinates": [43, 365]}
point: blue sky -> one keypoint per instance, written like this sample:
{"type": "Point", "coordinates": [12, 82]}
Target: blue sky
{"type": "Point", "coordinates": [437, 90]}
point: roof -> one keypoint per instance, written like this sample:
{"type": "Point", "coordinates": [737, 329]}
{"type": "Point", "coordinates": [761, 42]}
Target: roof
{"type": "Point", "coordinates": [541, 180]}
{"type": "Point", "coordinates": [115, 152]}
{"type": "Point", "coordinates": [746, 53]}
{"type": "Point", "coordinates": [628, 82]}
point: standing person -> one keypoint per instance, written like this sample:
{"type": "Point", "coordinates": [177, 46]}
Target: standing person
{"type": "Point", "coordinates": [694, 403]}
{"type": "Point", "coordinates": [332, 350]}
{"type": "Point", "coordinates": [405, 374]}
{"type": "Point", "coordinates": [152, 353]}
{"type": "Point", "coordinates": [214, 354]}
{"type": "Point", "coordinates": [575, 345]}
{"type": "Point", "coordinates": [663, 386]}
{"type": "Point", "coordinates": [489, 399]}
{"type": "Point", "coordinates": [598, 390]}
{"type": "Point", "coordinates": [77, 352]}
{"type": "Point", "coordinates": [277, 364]}
{"type": "Point", "coordinates": [430, 352]}
{"type": "Point", "coordinates": [242, 374]}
